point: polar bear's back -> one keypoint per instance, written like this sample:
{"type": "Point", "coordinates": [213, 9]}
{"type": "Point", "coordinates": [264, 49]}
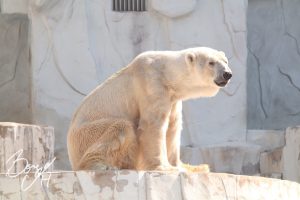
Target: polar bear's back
{"type": "Point", "coordinates": [113, 99]}
{"type": "Point", "coordinates": [118, 96]}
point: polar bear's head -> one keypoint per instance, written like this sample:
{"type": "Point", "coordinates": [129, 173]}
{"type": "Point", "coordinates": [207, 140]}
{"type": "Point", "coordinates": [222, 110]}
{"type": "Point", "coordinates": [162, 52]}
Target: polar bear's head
{"type": "Point", "coordinates": [208, 71]}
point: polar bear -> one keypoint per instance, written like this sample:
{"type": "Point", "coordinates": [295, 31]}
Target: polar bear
{"type": "Point", "coordinates": [133, 120]}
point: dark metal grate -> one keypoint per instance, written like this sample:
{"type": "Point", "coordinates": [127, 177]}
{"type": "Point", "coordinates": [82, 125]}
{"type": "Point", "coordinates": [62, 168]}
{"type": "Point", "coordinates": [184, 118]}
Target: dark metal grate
{"type": "Point", "coordinates": [129, 5]}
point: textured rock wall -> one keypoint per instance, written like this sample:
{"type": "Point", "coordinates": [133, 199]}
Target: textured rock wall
{"type": "Point", "coordinates": [273, 64]}
{"type": "Point", "coordinates": [76, 45]}
{"type": "Point", "coordinates": [15, 103]}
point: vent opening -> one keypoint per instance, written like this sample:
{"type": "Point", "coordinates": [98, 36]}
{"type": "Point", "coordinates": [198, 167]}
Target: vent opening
{"type": "Point", "coordinates": [129, 5]}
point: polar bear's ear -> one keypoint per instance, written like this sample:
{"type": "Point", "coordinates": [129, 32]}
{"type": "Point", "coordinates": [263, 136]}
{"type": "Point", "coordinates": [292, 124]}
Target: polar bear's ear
{"type": "Point", "coordinates": [190, 58]}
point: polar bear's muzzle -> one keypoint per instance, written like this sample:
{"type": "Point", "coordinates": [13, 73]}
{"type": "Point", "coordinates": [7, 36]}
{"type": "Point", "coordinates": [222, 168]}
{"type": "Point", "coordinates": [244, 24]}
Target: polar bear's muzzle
{"type": "Point", "coordinates": [223, 79]}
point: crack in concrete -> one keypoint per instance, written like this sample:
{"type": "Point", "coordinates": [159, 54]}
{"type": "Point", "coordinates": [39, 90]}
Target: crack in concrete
{"type": "Point", "coordinates": [295, 40]}
{"type": "Point", "coordinates": [110, 34]}
{"type": "Point", "coordinates": [294, 114]}
{"type": "Point", "coordinates": [71, 12]}
{"type": "Point", "coordinates": [233, 93]}
{"type": "Point", "coordinates": [287, 33]}
{"type": "Point", "coordinates": [19, 48]}
{"type": "Point", "coordinates": [229, 30]}
{"type": "Point", "coordinates": [293, 84]}
{"type": "Point", "coordinates": [225, 190]}
{"type": "Point", "coordinates": [44, 188]}
{"type": "Point", "coordinates": [12, 78]}
{"type": "Point", "coordinates": [259, 82]}
{"type": "Point", "coordinates": [289, 78]}
{"type": "Point", "coordinates": [49, 46]}
{"type": "Point", "coordinates": [99, 71]}
{"type": "Point", "coordinates": [58, 68]}
{"type": "Point", "coordinates": [239, 31]}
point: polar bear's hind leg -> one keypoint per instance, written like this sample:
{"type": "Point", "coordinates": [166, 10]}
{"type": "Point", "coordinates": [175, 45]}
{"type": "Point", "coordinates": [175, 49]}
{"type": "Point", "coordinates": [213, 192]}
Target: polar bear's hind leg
{"type": "Point", "coordinates": [116, 148]}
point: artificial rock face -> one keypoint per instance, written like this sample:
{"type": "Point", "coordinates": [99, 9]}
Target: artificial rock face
{"type": "Point", "coordinates": [133, 120]}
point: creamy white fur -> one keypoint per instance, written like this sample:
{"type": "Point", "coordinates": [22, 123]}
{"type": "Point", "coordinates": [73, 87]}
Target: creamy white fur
{"type": "Point", "coordinates": [133, 120]}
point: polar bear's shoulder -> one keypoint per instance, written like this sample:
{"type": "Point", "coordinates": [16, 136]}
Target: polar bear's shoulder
{"type": "Point", "coordinates": [154, 56]}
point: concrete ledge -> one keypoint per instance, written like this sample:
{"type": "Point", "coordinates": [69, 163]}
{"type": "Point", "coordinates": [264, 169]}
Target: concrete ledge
{"type": "Point", "coordinates": [24, 145]}
{"type": "Point", "coordinates": [144, 185]}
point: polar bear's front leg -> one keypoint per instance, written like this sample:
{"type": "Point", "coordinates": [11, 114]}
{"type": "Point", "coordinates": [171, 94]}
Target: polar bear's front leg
{"type": "Point", "coordinates": [152, 137]}
{"type": "Point", "coordinates": [174, 133]}
{"type": "Point", "coordinates": [173, 141]}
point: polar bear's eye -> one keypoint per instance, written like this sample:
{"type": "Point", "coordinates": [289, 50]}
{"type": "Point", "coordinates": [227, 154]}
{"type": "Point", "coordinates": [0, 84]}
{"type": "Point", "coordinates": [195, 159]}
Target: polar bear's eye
{"type": "Point", "coordinates": [211, 63]}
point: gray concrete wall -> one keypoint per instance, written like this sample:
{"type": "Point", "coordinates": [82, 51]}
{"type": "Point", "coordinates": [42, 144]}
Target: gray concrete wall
{"type": "Point", "coordinates": [15, 100]}
{"type": "Point", "coordinates": [273, 73]}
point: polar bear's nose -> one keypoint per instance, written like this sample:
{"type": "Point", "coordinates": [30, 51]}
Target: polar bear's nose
{"type": "Point", "coordinates": [227, 75]}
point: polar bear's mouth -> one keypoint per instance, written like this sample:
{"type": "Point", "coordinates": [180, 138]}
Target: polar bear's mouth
{"type": "Point", "coordinates": [221, 83]}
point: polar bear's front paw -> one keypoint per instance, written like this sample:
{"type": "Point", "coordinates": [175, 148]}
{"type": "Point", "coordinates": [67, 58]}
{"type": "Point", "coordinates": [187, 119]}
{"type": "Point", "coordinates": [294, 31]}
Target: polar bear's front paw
{"type": "Point", "coordinates": [203, 168]}
{"type": "Point", "coordinates": [165, 168]}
